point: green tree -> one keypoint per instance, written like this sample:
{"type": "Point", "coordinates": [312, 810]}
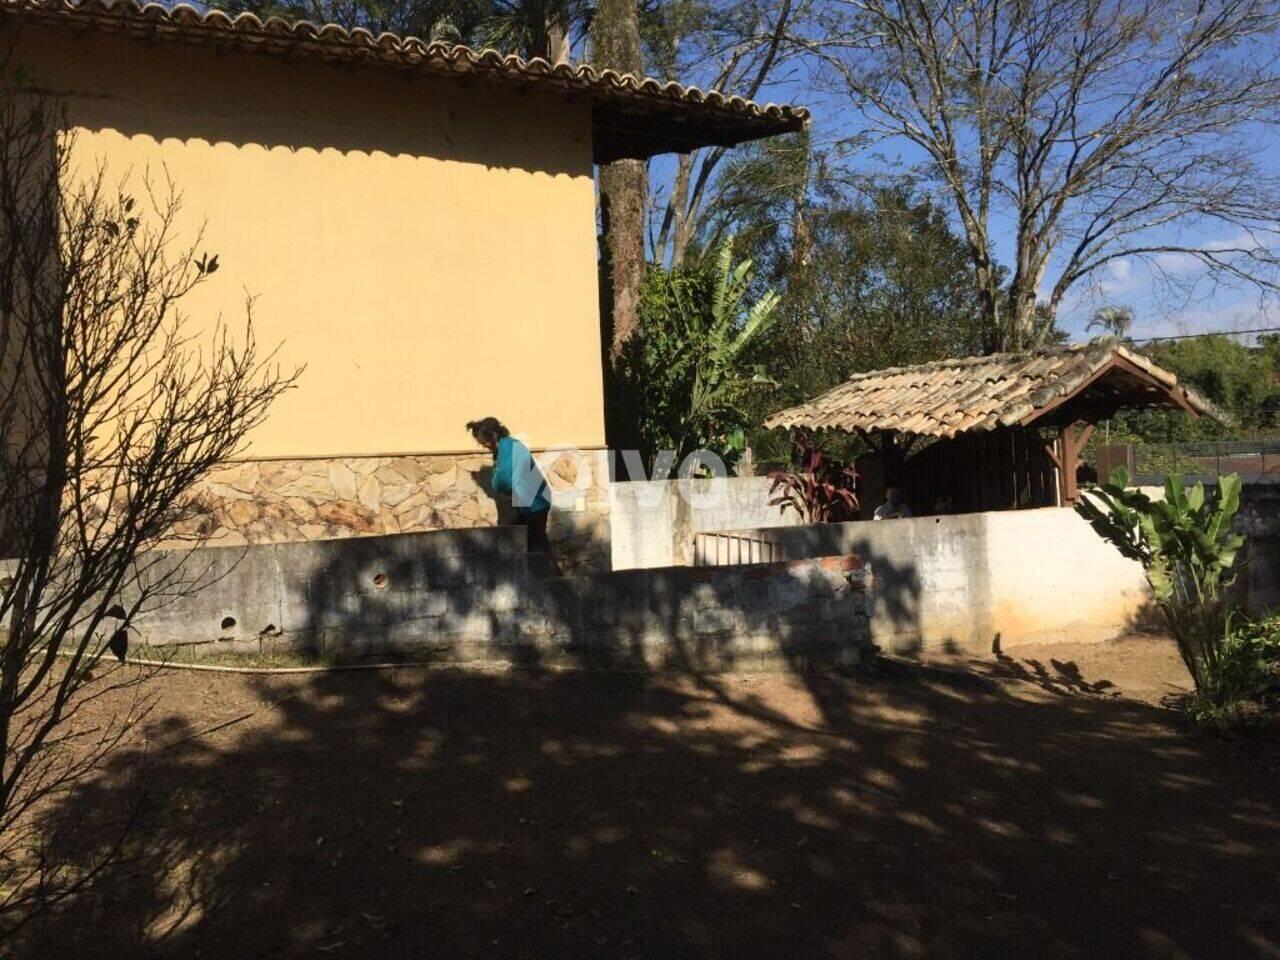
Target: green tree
{"type": "Point", "coordinates": [1115, 321]}
{"type": "Point", "coordinates": [1073, 133]}
{"type": "Point", "coordinates": [531, 28]}
{"type": "Point", "coordinates": [378, 16]}
{"type": "Point", "coordinates": [694, 365]}
{"type": "Point", "coordinates": [1242, 380]}
{"type": "Point", "coordinates": [735, 45]}
{"type": "Point", "coordinates": [881, 281]}
{"type": "Point", "coordinates": [762, 197]}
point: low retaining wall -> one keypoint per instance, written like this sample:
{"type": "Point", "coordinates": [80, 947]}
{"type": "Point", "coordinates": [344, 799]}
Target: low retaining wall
{"type": "Point", "coordinates": [968, 581]}
{"type": "Point", "coordinates": [470, 595]}
{"type": "Point", "coordinates": [654, 522]}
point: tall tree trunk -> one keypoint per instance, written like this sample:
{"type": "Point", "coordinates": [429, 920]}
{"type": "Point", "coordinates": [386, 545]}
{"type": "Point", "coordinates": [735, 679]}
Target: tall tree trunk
{"type": "Point", "coordinates": [557, 39]}
{"type": "Point", "coordinates": [623, 188]}
{"type": "Point", "coordinates": [675, 213]}
{"type": "Point", "coordinates": [615, 37]}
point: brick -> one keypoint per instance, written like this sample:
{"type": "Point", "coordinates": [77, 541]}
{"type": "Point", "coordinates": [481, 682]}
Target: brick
{"type": "Point", "coordinates": [840, 564]}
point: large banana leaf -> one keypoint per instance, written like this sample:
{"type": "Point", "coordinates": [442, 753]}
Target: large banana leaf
{"type": "Point", "coordinates": [1187, 549]}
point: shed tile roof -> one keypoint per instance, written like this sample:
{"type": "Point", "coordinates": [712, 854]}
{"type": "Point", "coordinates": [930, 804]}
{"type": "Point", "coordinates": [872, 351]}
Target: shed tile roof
{"type": "Point", "coordinates": [948, 397]}
{"type": "Point", "coordinates": [632, 116]}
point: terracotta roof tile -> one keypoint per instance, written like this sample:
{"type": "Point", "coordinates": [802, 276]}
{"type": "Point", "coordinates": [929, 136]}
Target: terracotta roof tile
{"type": "Point", "coordinates": [948, 397]}
{"type": "Point", "coordinates": [635, 116]}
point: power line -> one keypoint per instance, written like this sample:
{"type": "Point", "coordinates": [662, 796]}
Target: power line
{"type": "Point", "coordinates": [1208, 333]}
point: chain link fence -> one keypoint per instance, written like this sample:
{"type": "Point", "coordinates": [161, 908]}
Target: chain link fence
{"type": "Point", "coordinates": [1152, 462]}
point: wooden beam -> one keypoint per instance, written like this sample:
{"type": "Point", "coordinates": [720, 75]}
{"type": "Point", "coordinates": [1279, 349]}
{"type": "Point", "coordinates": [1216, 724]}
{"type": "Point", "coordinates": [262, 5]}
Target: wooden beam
{"type": "Point", "coordinates": [1070, 444]}
{"type": "Point", "coordinates": [1052, 450]}
{"type": "Point", "coordinates": [1173, 393]}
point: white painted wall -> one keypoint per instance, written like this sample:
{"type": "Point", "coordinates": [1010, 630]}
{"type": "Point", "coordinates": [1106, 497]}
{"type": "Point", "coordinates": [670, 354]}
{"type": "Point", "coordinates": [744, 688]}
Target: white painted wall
{"type": "Point", "coordinates": [1027, 576]}
{"type": "Point", "coordinates": [653, 523]}
{"type": "Point", "coordinates": [1052, 578]}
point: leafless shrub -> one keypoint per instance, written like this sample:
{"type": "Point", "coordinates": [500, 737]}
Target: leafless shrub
{"type": "Point", "coordinates": [113, 404]}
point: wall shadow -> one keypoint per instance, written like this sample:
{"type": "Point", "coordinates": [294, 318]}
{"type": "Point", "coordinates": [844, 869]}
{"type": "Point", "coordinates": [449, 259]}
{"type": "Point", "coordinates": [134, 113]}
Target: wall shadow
{"type": "Point", "coordinates": [467, 595]}
{"type": "Point", "coordinates": [1062, 677]}
{"type": "Point", "coordinates": [896, 598]}
{"type": "Point", "coordinates": [159, 91]}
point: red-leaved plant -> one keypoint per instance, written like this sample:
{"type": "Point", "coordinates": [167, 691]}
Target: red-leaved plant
{"type": "Point", "coordinates": [821, 491]}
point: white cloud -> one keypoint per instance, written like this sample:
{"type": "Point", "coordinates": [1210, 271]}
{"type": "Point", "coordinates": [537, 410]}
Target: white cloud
{"type": "Point", "coordinates": [1239, 313]}
{"type": "Point", "coordinates": [1176, 263]}
{"type": "Point", "coordinates": [1118, 277]}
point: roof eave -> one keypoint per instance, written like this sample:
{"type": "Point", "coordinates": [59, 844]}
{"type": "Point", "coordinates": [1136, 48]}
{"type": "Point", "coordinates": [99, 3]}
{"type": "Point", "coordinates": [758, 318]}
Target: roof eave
{"type": "Point", "coordinates": [619, 134]}
{"type": "Point", "coordinates": [632, 117]}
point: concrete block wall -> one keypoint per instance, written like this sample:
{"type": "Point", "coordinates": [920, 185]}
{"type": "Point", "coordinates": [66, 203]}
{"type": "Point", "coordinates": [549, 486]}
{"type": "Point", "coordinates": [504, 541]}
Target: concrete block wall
{"type": "Point", "coordinates": [1259, 521]}
{"type": "Point", "coordinates": [1019, 576]}
{"type": "Point", "coordinates": [653, 523]}
{"type": "Point", "coordinates": [471, 595]}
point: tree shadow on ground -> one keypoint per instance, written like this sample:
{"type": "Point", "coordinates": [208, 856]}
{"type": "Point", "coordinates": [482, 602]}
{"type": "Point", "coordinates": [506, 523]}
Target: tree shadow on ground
{"type": "Point", "coordinates": [1061, 677]}
{"type": "Point", "coordinates": [540, 813]}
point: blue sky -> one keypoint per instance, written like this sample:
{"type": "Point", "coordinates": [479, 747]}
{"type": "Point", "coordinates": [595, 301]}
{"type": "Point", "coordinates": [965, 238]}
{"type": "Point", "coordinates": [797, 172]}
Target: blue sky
{"type": "Point", "coordinates": [1132, 283]}
{"type": "Point", "coordinates": [1125, 283]}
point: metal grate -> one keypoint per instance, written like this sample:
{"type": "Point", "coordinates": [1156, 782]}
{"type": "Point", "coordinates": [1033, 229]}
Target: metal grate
{"type": "Point", "coordinates": [729, 549]}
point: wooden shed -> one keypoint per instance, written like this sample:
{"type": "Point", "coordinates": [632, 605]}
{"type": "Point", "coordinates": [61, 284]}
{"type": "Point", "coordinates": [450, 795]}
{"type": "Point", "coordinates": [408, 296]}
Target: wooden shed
{"type": "Point", "coordinates": [999, 432]}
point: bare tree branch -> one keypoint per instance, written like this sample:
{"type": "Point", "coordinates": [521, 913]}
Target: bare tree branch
{"type": "Point", "coordinates": [1098, 129]}
{"type": "Point", "coordinates": [113, 404]}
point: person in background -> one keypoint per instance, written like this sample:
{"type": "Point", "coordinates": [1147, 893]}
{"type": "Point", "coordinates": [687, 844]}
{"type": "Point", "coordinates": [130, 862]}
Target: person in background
{"type": "Point", "coordinates": [893, 508]}
{"type": "Point", "coordinates": [516, 475]}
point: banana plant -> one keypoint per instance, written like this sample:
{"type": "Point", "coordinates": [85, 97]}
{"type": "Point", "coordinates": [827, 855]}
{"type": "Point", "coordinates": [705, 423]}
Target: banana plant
{"type": "Point", "coordinates": [696, 360]}
{"type": "Point", "coordinates": [729, 330]}
{"type": "Point", "coordinates": [1188, 549]}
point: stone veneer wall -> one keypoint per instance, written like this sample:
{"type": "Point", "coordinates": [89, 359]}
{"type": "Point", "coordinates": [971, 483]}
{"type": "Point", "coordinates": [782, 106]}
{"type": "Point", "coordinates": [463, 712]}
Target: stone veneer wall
{"type": "Point", "coordinates": [281, 501]}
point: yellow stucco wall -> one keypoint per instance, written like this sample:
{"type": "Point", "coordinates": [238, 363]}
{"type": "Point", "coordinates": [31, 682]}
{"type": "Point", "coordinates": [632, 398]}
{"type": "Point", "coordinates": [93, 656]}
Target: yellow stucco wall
{"type": "Point", "coordinates": [426, 247]}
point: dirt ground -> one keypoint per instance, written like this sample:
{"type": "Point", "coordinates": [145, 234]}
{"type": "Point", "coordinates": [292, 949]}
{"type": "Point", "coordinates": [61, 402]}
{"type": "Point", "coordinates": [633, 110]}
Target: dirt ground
{"type": "Point", "coordinates": [1037, 806]}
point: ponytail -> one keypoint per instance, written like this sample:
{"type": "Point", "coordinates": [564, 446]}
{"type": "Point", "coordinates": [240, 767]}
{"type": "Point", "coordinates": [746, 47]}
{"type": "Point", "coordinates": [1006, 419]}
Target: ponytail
{"type": "Point", "coordinates": [488, 429]}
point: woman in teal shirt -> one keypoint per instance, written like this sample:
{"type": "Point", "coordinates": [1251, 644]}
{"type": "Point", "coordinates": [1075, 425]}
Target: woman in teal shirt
{"type": "Point", "coordinates": [517, 475]}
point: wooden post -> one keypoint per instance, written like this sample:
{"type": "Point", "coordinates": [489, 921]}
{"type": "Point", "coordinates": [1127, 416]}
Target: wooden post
{"type": "Point", "coordinates": [1021, 471]}
{"type": "Point", "coordinates": [1066, 456]}
{"type": "Point", "coordinates": [1008, 489]}
{"type": "Point", "coordinates": [1035, 468]}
